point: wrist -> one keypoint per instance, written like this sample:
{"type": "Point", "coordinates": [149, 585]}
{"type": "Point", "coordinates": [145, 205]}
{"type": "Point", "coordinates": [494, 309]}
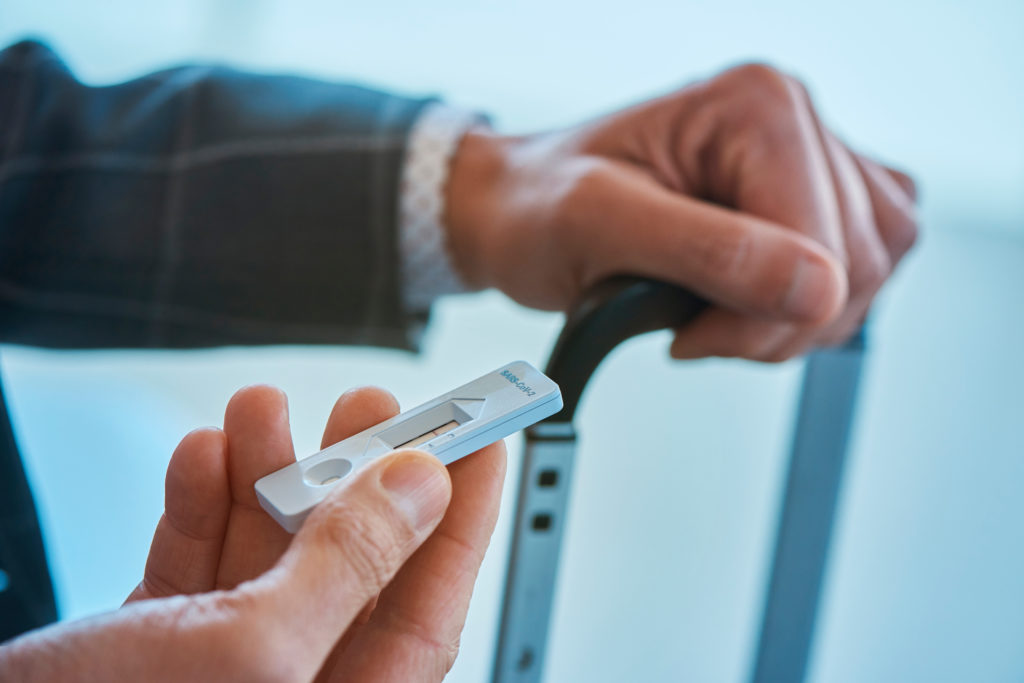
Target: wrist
{"type": "Point", "coordinates": [476, 170]}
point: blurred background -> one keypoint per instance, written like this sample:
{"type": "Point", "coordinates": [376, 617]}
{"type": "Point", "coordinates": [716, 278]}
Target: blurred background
{"type": "Point", "coordinates": [674, 501]}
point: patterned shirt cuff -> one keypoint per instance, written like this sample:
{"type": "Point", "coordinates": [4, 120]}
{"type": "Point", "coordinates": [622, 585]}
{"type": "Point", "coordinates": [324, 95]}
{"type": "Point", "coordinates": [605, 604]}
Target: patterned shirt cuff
{"type": "Point", "coordinates": [426, 266]}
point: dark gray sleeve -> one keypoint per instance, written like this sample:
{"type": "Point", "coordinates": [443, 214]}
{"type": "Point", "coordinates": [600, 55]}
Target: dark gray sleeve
{"type": "Point", "coordinates": [197, 206]}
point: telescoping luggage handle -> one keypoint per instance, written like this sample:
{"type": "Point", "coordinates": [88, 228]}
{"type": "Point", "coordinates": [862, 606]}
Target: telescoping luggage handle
{"type": "Point", "coordinates": [611, 312]}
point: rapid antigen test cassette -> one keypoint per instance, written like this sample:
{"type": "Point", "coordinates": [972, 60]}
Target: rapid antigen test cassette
{"type": "Point", "coordinates": [451, 426]}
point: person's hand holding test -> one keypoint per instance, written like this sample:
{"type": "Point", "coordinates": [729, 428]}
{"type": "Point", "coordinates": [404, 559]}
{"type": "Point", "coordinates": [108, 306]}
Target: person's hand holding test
{"type": "Point", "coordinates": [375, 586]}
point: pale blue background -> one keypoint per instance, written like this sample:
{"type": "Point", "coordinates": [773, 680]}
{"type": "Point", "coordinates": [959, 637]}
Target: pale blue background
{"type": "Point", "coordinates": [676, 490]}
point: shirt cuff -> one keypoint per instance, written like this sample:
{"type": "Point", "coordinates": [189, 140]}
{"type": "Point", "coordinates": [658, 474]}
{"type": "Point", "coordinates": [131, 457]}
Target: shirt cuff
{"type": "Point", "coordinates": [426, 266]}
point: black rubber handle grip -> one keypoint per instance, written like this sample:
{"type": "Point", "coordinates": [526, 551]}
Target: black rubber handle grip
{"type": "Point", "coordinates": [608, 314]}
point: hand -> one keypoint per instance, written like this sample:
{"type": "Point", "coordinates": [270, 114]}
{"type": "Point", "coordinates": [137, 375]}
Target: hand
{"type": "Point", "coordinates": [375, 586]}
{"type": "Point", "coordinates": [731, 187]}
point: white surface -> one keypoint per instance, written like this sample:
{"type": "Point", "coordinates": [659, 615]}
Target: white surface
{"type": "Point", "coordinates": [664, 561]}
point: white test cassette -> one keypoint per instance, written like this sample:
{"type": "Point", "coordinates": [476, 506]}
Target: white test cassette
{"type": "Point", "coordinates": [450, 426]}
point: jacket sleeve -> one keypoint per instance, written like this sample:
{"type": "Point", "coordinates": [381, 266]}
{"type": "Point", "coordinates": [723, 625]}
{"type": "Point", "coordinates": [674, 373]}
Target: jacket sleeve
{"type": "Point", "coordinates": [197, 206]}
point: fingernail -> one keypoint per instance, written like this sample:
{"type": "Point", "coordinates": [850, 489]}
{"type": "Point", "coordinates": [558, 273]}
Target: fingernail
{"type": "Point", "coordinates": [811, 295]}
{"type": "Point", "coordinates": [419, 488]}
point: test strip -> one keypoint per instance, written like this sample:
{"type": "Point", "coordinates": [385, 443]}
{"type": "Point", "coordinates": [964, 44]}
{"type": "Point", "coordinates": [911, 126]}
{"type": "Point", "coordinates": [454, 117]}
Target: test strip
{"type": "Point", "coordinates": [450, 426]}
{"type": "Point", "coordinates": [423, 438]}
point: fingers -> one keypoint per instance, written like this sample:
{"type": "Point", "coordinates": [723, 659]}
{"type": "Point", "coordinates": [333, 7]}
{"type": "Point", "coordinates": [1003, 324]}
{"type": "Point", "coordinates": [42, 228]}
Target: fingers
{"type": "Point", "coordinates": [256, 424]}
{"type": "Point", "coordinates": [780, 163]}
{"type": "Point", "coordinates": [285, 622]}
{"type": "Point", "coordinates": [837, 192]}
{"type": "Point", "coordinates": [629, 223]}
{"type": "Point", "coordinates": [186, 547]}
{"type": "Point", "coordinates": [868, 264]}
{"type": "Point", "coordinates": [356, 410]}
{"type": "Point", "coordinates": [879, 227]}
{"type": "Point", "coordinates": [905, 182]}
{"type": "Point", "coordinates": [746, 139]}
{"type": "Point", "coordinates": [413, 633]}
{"type": "Point", "coordinates": [873, 236]}
{"type": "Point", "coordinates": [259, 442]}
{"type": "Point", "coordinates": [782, 173]}
{"type": "Point", "coordinates": [893, 195]}
{"type": "Point", "coordinates": [728, 334]}
{"type": "Point", "coordinates": [870, 260]}
{"type": "Point", "coordinates": [351, 546]}
{"type": "Point", "coordinates": [190, 537]}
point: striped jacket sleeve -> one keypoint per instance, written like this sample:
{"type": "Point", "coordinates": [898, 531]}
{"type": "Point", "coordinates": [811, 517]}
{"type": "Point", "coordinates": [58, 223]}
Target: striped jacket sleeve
{"type": "Point", "coordinates": [198, 206]}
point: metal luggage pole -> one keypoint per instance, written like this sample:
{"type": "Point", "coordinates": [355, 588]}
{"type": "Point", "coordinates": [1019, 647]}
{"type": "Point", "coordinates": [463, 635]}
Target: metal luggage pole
{"type": "Point", "coordinates": [803, 534]}
{"type": "Point", "coordinates": [611, 312]}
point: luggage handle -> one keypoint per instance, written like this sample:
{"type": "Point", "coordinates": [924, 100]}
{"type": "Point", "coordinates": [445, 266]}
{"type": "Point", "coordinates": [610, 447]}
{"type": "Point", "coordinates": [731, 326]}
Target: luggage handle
{"type": "Point", "coordinates": [609, 313]}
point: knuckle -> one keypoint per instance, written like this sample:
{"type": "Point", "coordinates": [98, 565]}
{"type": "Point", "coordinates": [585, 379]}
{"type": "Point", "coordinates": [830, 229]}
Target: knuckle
{"type": "Point", "coordinates": [774, 358]}
{"type": "Point", "coordinates": [765, 109]}
{"type": "Point", "coordinates": [585, 181]}
{"type": "Point", "coordinates": [743, 343]}
{"type": "Point", "coordinates": [871, 271]}
{"type": "Point", "coordinates": [580, 197]}
{"type": "Point", "coordinates": [800, 340]}
{"type": "Point", "coordinates": [725, 252]}
{"type": "Point", "coordinates": [440, 654]}
{"type": "Point", "coordinates": [774, 345]}
{"type": "Point", "coordinates": [906, 182]}
{"type": "Point", "coordinates": [232, 629]}
{"type": "Point", "coordinates": [840, 333]}
{"type": "Point", "coordinates": [904, 236]}
{"type": "Point", "coordinates": [754, 347]}
{"type": "Point", "coordinates": [836, 338]}
{"type": "Point", "coordinates": [760, 74]}
{"type": "Point", "coordinates": [771, 85]}
{"type": "Point", "coordinates": [451, 655]}
{"type": "Point", "coordinates": [241, 604]}
{"type": "Point", "coordinates": [369, 542]}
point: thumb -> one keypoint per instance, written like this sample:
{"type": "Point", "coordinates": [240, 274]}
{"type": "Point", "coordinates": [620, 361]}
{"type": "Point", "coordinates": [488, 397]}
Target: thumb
{"type": "Point", "coordinates": [736, 260]}
{"type": "Point", "coordinates": [352, 545]}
